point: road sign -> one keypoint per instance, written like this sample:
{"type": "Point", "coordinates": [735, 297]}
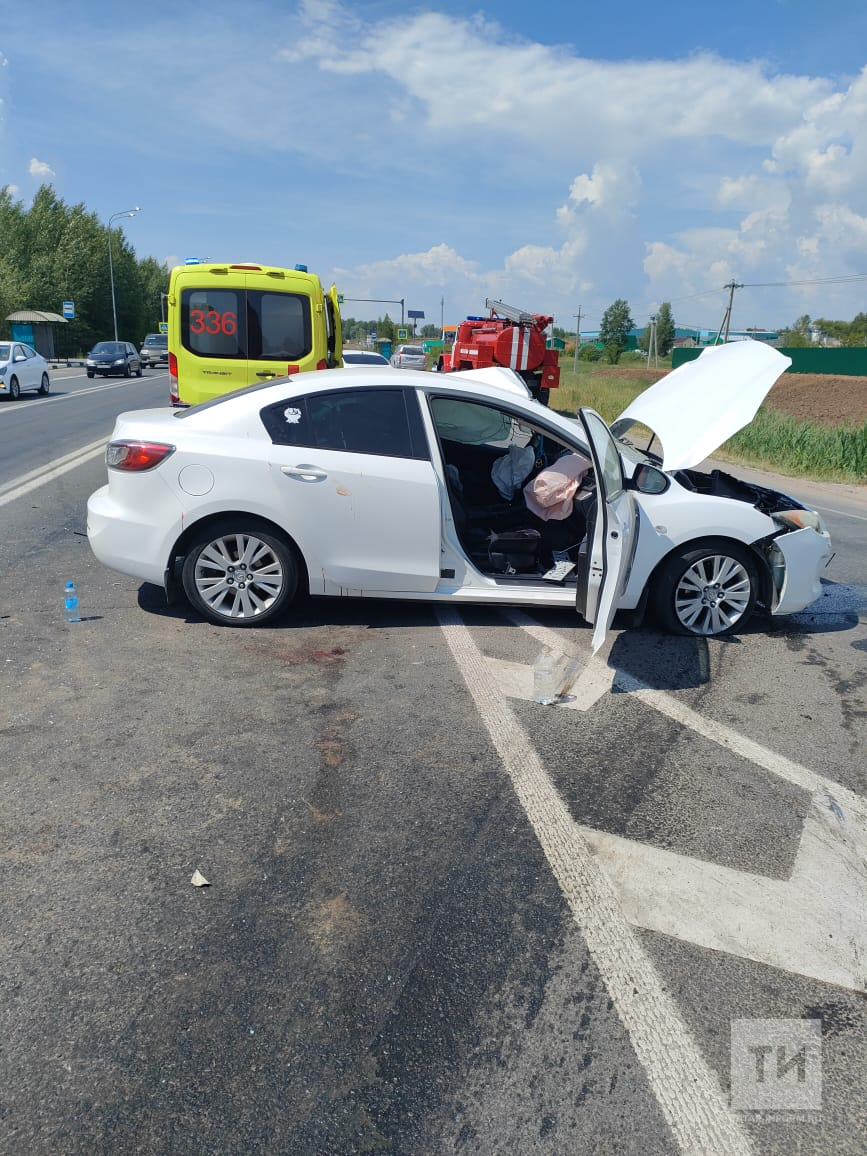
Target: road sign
{"type": "Point", "coordinates": [69, 310]}
{"type": "Point", "coordinates": [164, 327]}
{"type": "Point", "coordinates": [417, 313]}
{"type": "Point", "coordinates": [401, 334]}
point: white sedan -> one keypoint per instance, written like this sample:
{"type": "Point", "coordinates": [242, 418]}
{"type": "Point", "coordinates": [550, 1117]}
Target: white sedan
{"type": "Point", "coordinates": [21, 367]}
{"type": "Point", "coordinates": [459, 488]}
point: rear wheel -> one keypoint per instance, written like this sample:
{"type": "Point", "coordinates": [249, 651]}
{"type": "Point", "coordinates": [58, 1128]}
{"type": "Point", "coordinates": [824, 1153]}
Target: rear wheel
{"type": "Point", "coordinates": [709, 590]}
{"type": "Point", "coordinates": [44, 385]}
{"type": "Point", "coordinates": [236, 574]}
{"type": "Point", "coordinates": [14, 388]}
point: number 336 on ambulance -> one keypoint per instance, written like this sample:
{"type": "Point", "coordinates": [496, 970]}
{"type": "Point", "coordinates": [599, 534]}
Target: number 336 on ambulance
{"type": "Point", "coordinates": [236, 325]}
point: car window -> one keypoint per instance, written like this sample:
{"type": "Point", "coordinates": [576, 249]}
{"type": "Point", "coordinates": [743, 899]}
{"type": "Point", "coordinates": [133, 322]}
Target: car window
{"type": "Point", "coordinates": [4, 352]}
{"type": "Point", "coordinates": [256, 325]}
{"type": "Point", "coordinates": [386, 422]}
{"type": "Point", "coordinates": [475, 424]}
{"type": "Point", "coordinates": [279, 326]}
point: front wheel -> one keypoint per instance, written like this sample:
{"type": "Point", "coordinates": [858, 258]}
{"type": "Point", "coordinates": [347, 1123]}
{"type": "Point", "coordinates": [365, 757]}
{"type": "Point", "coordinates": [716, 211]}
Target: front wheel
{"type": "Point", "coordinates": [90, 373]}
{"type": "Point", "coordinates": [235, 575]}
{"type": "Point", "coordinates": [127, 371]}
{"type": "Point", "coordinates": [138, 371]}
{"type": "Point", "coordinates": [44, 385]}
{"type": "Point", "coordinates": [709, 590]}
{"type": "Point", "coordinates": [14, 388]}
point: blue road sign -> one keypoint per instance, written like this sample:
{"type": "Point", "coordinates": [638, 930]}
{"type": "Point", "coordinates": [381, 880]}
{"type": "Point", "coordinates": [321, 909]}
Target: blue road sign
{"type": "Point", "coordinates": [69, 310]}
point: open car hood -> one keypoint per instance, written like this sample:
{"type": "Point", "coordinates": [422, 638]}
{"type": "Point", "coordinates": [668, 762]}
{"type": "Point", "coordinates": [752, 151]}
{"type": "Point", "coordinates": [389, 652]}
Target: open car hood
{"type": "Point", "coordinates": [701, 404]}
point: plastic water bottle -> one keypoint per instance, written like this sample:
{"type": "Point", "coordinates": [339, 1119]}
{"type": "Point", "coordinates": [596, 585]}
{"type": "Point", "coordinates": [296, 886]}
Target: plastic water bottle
{"type": "Point", "coordinates": [70, 601]}
{"type": "Point", "coordinates": [547, 675]}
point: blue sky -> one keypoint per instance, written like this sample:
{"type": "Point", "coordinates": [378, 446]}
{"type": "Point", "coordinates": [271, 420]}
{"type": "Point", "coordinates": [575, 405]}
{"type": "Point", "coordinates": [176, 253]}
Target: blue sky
{"type": "Point", "coordinates": [555, 156]}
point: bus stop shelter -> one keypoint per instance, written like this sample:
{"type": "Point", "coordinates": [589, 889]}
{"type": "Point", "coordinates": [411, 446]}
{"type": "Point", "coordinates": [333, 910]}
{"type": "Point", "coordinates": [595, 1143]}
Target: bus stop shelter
{"type": "Point", "coordinates": [36, 328]}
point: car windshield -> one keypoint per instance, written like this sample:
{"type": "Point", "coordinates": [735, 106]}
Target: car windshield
{"type": "Point", "coordinates": [359, 357]}
{"type": "Point", "coordinates": [5, 350]}
{"type": "Point", "coordinates": [160, 339]}
{"type": "Point", "coordinates": [109, 347]}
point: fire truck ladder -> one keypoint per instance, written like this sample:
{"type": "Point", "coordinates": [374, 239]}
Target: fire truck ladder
{"type": "Point", "coordinates": [520, 316]}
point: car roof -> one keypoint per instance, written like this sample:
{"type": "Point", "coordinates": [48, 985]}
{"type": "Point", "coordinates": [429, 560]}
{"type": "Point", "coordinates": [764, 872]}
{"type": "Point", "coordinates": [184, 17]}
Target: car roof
{"type": "Point", "coordinates": [495, 384]}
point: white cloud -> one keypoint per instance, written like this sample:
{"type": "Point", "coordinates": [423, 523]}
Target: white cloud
{"type": "Point", "coordinates": [39, 168]}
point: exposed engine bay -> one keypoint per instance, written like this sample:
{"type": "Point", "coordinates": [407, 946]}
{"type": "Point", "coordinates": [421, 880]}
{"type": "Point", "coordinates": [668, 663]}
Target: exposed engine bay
{"type": "Point", "coordinates": [722, 485]}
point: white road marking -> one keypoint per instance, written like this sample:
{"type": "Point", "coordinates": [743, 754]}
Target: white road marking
{"type": "Point", "coordinates": [687, 1090]}
{"type": "Point", "coordinates": [52, 470]}
{"type": "Point", "coordinates": [812, 924]}
{"type": "Point", "coordinates": [841, 513]}
{"type": "Point", "coordinates": [54, 398]}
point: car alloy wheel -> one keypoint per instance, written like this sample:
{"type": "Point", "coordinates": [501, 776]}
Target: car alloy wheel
{"type": "Point", "coordinates": [709, 590]}
{"type": "Point", "coordinates": [239, 575]}
{"type": "Point", "coordinates": [44, 385]}
{"type": "Point", "coordinates": [14, 388]}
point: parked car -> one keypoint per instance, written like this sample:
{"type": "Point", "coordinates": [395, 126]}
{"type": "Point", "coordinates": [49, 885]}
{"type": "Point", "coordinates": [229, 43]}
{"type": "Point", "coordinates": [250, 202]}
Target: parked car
{"type": "Point", "coordinates": [154, 350]}
{"type": "Point", "coordinates": [21, 367]}
{"type": "Point", "coordinates": [408, 357]}
{"type": "Point", "coordinates": [460, 488]}
{"type": "Point", "coordinates": [368, 357]}
{"type": "Point", "coordinates": [112, 357]}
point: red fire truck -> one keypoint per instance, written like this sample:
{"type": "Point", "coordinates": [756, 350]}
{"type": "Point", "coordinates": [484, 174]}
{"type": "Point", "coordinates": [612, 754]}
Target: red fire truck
{"type": "Point", "coordinates": [510, 337]}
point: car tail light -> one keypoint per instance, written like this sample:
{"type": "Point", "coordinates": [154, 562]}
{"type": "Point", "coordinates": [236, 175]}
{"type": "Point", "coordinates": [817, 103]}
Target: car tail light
{"type": "Point", "coordinates": [321, 364]}
{"type": "Point", "coordinates": [135, 456]}
{"type": "Point", "coordinates": [174, 396]}
{"type": "Point", "coordinates": [290, 369]}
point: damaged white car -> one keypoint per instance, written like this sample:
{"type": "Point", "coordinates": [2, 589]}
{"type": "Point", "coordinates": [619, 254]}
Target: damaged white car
{"type": "Point", "coordinates": [460, 488]}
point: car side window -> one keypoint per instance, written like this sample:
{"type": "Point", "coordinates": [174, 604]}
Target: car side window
{"type": "Point", "coordinates": [386, 422]}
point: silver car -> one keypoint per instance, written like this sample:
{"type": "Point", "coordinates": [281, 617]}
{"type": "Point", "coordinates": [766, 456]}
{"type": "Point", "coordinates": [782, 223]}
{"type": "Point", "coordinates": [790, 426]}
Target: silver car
{"type": "Point", "coordinates": [155, 350]}
{"type": "Point", "coordinates": [408, 357]}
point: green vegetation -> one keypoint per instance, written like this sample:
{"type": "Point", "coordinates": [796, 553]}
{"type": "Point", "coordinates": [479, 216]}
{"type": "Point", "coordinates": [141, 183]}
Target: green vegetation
{"type": "Point", "coordinates": [772, 441]}
{"type": "Point", "coordinates": [54, 252]}
{"type": "Point", "coordinates": [614, 329]}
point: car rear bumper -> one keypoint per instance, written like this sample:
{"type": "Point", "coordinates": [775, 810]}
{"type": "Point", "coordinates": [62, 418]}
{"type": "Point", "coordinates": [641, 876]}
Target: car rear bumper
{"type": "Point", "coordinates": [135, 544]}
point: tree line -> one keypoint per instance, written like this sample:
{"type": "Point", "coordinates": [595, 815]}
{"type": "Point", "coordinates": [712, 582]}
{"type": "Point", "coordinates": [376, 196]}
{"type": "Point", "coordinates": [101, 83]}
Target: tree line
{"type": "Point", "coordinates": [54, 252]}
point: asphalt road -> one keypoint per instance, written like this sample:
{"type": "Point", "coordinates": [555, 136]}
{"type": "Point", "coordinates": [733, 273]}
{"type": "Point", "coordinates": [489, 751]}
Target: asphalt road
{"type": "Point", "coordinates": [440, 917]}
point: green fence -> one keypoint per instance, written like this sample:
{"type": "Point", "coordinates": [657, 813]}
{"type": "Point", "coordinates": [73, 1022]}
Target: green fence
{"type": "Point", "coordinates": [845, 362]}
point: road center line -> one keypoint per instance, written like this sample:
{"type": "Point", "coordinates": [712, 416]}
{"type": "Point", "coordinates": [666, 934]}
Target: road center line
{"type": "Point", "coordinates": [52, 470]}
{"type": "Point", "coordinates": [685, 1087]}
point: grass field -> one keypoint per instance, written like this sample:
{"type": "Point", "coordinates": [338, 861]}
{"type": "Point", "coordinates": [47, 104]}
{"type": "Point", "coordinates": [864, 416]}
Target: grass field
{"type": "Point", "coordinates": [812, 426]}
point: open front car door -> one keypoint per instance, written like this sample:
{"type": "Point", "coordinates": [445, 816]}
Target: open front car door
{"type": "Point", "coordinates": [609, 543]}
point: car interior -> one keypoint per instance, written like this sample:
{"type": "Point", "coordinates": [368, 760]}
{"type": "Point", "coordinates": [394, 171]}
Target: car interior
{"type": "Point", "coordinates": [520, 501]}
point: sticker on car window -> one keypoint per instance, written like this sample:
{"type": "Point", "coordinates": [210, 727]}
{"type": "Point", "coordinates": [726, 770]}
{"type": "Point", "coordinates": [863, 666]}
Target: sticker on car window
{"type": "Point", "coordinates": [292, 415]}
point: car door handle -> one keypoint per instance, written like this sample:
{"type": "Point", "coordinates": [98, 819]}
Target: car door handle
{"type": "Point", "coordinates": [304, 473]}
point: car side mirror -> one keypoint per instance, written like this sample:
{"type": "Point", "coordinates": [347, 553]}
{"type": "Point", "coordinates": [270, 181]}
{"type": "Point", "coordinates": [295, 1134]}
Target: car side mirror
{"type": "Point", "coordinates": [649, 480]}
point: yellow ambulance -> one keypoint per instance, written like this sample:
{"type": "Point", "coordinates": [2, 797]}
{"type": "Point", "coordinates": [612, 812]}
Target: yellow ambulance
{"type": "Point", "coordinates": [236, 325]}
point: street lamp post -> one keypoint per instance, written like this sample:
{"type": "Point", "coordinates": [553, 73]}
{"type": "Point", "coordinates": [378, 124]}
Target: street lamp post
{"type": "Point", "coordinates": [125, 213]}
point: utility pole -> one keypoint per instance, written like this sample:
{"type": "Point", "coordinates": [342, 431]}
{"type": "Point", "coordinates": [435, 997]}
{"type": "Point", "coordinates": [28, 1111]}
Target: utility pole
{"type": "Point", "coordinates": [577, 317]}
{"type": "Point", "coordinates": [732, 285]}
{"type": "Point", "coordinates": [651, 343]}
